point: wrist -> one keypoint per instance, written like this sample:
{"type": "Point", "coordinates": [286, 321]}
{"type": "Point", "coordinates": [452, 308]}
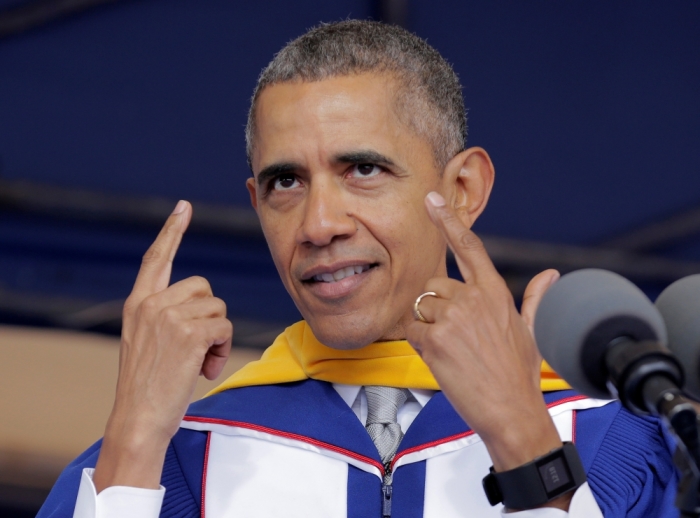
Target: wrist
{"type": "Point", "coordinates": [130, 456]}
{"type": "Point", "coordinates": [512, 446]}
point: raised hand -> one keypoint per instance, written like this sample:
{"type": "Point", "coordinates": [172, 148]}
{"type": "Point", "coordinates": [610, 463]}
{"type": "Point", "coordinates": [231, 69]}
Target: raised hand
{"type": "Point", "coordinates": [482, 351]}
{"type": "Point", "coordinates": [170, 335]}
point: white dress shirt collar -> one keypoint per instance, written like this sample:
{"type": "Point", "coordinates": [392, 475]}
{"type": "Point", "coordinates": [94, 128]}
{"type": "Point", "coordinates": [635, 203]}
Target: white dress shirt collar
{"type": "Point", "coordinates": [349, 394]}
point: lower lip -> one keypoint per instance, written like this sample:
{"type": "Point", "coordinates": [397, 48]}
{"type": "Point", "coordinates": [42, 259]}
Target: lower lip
{"type": "Point", "coordinates": [338, 289]}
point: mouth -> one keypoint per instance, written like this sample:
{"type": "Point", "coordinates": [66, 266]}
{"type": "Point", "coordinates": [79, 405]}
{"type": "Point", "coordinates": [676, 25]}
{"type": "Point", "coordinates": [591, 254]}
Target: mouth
{"type": "Point", "coordinates": [331, 276]}
{"type": "Point", "coordinates": [337, 282]}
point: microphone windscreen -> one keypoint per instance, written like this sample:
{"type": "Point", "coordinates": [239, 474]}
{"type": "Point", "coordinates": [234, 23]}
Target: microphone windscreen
{"type": "Point", "coordinates": [574, 307]}
{"type": "Point", "coordinates": [679, 304]}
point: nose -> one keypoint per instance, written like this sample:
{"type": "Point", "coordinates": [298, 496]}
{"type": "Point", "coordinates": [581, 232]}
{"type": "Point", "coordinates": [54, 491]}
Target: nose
{"type": "Point", "coordinates": [327, 215]}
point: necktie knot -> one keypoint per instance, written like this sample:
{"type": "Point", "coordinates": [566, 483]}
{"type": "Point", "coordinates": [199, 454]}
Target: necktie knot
{"type": "Point", "coordinates": [383, 404]}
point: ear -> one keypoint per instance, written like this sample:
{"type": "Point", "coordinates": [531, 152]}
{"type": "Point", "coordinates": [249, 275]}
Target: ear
{"type": "Point", "coordinates": [468, 180]}
{"type": "Point", "coordinates": [253, 192]}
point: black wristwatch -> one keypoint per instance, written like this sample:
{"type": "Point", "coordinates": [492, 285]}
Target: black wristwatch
{"type": "Point", "coordinates": [537, 482]}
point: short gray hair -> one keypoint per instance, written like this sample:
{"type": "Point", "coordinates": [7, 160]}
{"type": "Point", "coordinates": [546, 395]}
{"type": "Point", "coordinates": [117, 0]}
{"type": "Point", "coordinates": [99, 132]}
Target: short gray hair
{"type": "Point", "coordinates": [429, 96]}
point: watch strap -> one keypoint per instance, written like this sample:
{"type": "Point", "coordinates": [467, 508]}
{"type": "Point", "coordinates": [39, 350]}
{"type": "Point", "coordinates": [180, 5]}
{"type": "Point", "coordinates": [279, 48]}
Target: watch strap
{"type": "Point", "coordinates": [537, 482]}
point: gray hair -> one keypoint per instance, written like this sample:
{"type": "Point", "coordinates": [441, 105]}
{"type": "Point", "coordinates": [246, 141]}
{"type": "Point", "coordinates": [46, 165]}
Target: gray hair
{"type": "Point", "coordinates": [429, 98]}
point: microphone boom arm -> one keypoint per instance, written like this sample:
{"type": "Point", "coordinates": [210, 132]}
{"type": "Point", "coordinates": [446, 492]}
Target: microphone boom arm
{"type": "Point", "coordinates": [647, 378]}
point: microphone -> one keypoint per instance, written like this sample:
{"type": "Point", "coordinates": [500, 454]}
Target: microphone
{"type": "Point", "coordinates": [679, 305]}
{"type": "Point", "coordinates": [605, 338]}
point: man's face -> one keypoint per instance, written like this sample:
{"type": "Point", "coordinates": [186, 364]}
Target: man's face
{"type": "Point", "coordinates": [339, 183]}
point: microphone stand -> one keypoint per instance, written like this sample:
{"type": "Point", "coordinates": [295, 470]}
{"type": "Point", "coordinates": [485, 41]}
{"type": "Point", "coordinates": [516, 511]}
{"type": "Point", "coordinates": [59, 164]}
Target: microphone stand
{"type": "Point", "coordinates": [647, 379]}
{"type": "Point", "coordinates": [681, 419]}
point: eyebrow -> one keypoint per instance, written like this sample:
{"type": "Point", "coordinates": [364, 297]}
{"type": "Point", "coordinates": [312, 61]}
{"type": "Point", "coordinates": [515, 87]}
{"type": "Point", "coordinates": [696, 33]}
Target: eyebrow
{"type": "Point", "coordinates": [363, 156]}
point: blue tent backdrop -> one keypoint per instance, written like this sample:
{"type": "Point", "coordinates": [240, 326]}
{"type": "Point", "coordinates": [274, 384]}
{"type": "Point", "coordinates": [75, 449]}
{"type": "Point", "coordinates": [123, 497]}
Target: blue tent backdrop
{"type": "Point", "coordinates": [590, 111]}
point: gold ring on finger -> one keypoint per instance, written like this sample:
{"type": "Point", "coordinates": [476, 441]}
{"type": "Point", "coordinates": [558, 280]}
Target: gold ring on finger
{"type": "Point", "coordinates": [417, 315]}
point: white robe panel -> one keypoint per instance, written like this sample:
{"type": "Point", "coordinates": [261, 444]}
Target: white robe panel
{"type": "Point", "coordinates": [253, 478]}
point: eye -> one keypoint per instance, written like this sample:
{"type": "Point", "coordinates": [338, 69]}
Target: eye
{"type": "Point", "coordinates": [285, 182]}
{"type": "Point", "coordinates": [365, 170]}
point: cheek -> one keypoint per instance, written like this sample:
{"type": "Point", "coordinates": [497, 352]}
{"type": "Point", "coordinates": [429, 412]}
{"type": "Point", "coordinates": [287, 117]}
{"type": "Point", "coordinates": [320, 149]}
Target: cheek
{"type": "Point", "coordinates": [415, 245]}
{"type": "Point", "coordinates": [280, 241]}
{"type": "Point", "coordinates": [426, 255]}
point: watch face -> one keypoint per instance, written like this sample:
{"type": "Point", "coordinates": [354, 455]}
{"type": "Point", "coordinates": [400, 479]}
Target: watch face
{"type": "Point", "coordinates": [555, 475]}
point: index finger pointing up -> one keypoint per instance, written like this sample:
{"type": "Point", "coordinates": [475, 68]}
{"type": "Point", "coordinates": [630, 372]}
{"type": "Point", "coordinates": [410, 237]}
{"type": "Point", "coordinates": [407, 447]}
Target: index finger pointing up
{"type": "Point", "coordinates": [469, 251]}
{"type": "Point", "coordinates": [154, 274]}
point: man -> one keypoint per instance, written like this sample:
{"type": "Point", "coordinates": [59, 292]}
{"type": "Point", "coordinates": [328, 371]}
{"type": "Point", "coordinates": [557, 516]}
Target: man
{"type": "Point", "coordinates": [360, 178]}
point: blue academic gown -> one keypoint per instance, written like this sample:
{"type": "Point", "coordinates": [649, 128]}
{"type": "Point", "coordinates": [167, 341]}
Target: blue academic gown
{"type": "Point", "coordinates": [627, 458]}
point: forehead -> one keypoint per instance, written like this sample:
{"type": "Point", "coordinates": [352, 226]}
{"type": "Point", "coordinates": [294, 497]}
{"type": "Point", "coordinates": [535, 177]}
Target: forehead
{"type": "Point", "coordinates": [298, 120]}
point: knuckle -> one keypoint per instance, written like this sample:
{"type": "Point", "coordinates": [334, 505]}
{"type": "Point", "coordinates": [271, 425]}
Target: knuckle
{"type": "Point", "coordinates": [221, 306]}
{"type": "Point", "coordinates": [187, 329]}
{"type": "Point", "coordinates": [171, 315]}
{"type": "Point", "coordinates": [202, 284]}
{"type": "Point", "coordinates": [469, 241]}
{"type": "Point", "coordinates": [437, 284]}
{"type": "Point", "coordinates": [149, 304]}
{"type": "Point", "coordinates": [449, 217]}
{"type": "Point", "coordinates": [470, 297]}
{"type": "Point", "coordinates": [229, 328]}
{"type": "Point", "coordinates": [442, 336]}
{"type": "Point", "coordinates": [130, 304]}
{"type": "Point", "coordinates": [501, 294]}
{"type": "Point", "coordinates": [153, 255]}
{"type": "Point", "coordinates": [453, 312]}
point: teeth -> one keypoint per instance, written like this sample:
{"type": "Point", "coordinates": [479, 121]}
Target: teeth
{"type": "Point", "coordinates": [341, 274]}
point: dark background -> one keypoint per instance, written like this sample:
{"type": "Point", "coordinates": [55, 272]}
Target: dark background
{"type": "Point", "coordinates": [111, 111]}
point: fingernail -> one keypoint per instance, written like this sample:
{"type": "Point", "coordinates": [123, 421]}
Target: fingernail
{"type": "Point", "coordinates": [181, 205]}
{"type": "Point", "coordinates": [435, 199]}
{"type": "Point", "coordinates": [554, 278]}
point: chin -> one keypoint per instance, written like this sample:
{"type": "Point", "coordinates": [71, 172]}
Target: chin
{"type": "Point", "coordinates": [345, 332]}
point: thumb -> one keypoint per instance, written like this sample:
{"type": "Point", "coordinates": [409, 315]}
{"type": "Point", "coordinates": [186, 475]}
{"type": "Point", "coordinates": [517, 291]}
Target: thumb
{"type": "Point", "coordinates": [534, 292]}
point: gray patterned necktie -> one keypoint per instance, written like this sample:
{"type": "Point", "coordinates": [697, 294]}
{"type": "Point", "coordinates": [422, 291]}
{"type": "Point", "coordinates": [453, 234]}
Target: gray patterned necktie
{"type": "Point", "coordinates": [383, 404]}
